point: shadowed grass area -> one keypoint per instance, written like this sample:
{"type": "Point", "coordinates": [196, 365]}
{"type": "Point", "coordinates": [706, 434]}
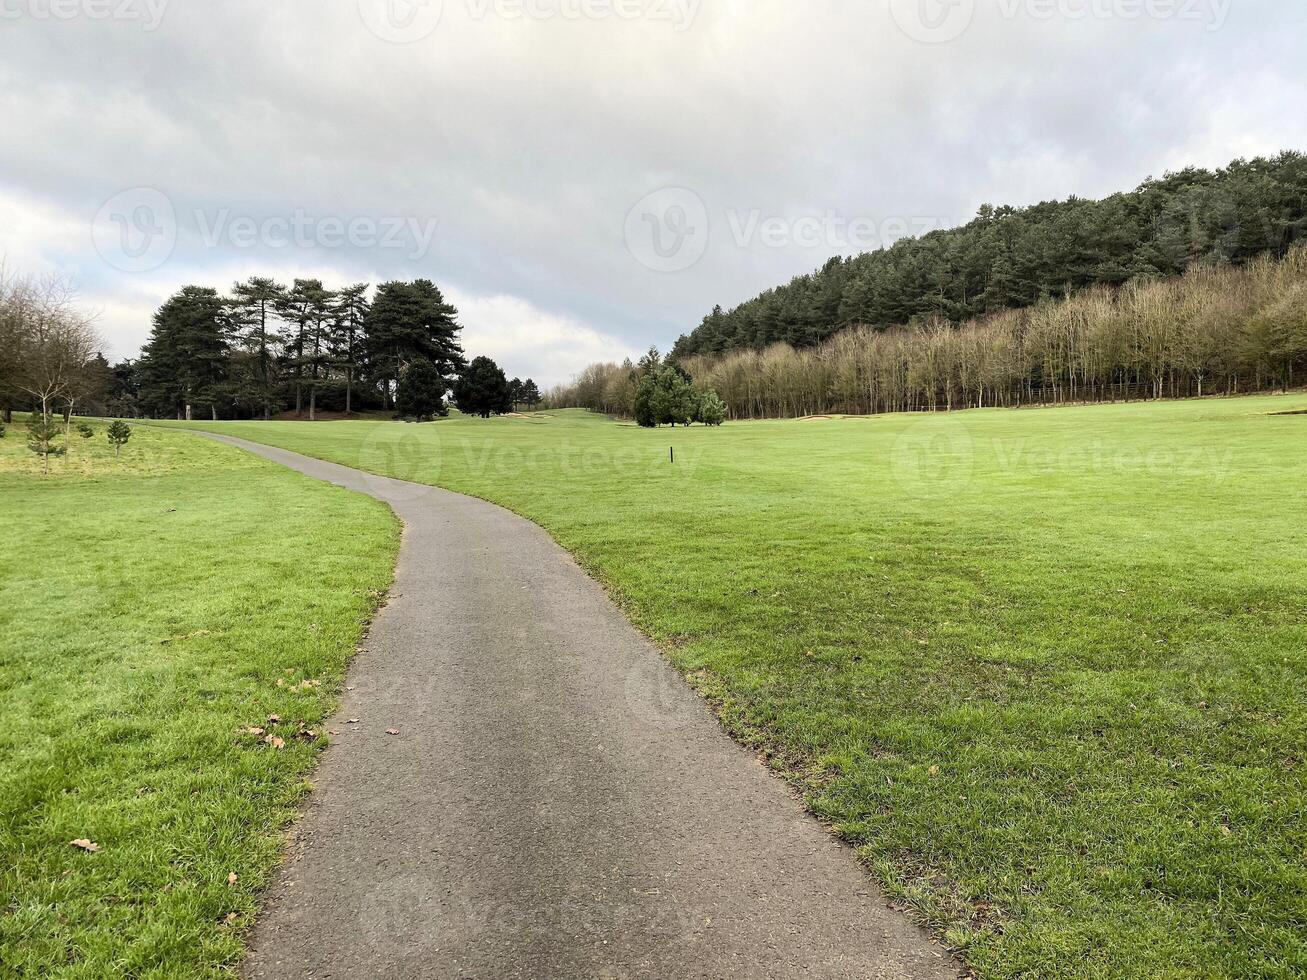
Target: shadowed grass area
{"type": "Point", "coordinates": [153, 608]}
{"type": "Point", "coordinates": [1045, 668]}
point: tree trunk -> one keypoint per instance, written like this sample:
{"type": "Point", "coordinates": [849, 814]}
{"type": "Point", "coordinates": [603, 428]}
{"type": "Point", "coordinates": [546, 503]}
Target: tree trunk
{"type": "Point", "coordinates": [188, 411]}
{"type": "Point", "coordinates": [313, 402]}
{"type": "Point", "coordinates": [349, 389]}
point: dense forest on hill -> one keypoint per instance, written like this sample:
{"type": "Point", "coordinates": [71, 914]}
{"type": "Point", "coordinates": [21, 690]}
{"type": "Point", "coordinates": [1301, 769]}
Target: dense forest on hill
{"type": "Point", "coordinates": [1217, 329]}
{"type": "Point", "coordinates": [1012, 258]}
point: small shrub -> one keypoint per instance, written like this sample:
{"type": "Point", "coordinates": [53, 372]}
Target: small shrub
{"type": "Point", "coordinates": [41, 435]}
{"type": "Point", "coordinates": [2, 430]}
{"type": "Point", "coordinates": [84, 430]}
{"type": "Point", "coordinates": [118, 433]}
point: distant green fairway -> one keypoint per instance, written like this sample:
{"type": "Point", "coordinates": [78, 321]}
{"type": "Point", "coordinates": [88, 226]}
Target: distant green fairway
{"type": "Point", "coordinates": [1045, 668]}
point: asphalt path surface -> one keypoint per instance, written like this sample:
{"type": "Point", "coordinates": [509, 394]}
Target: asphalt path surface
{"type": "Point", "coordinates": [557, 802]}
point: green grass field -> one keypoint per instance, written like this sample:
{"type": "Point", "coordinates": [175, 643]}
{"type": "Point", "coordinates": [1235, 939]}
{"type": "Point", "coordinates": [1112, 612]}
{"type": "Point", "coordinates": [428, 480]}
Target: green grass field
{"type": "Point", "coordinates": [152, 609]}
{"type": "Point", "coordinates": [1044, 668]}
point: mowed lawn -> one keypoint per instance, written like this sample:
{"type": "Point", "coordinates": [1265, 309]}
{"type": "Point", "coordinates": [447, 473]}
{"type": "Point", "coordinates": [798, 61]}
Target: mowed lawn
{"type": "Point", "coordinates": [152, 609]}
{"type": "Point", "coordinates": [1045, 668]}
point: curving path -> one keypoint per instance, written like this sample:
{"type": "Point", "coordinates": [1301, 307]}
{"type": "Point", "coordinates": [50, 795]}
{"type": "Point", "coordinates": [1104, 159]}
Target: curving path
{"type": "Point", "coordinates": [557, 803]}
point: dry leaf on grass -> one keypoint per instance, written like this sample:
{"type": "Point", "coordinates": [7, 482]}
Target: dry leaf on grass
{"type": "Point", "coordinates": [86, 845]}
{"type": "Point", "coordinates": [232, 878]}
{"type": "Point", "coordinates": [274, 741]}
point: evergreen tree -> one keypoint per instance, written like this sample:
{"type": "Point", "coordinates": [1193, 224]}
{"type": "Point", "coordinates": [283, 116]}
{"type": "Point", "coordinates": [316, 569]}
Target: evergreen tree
{"type": "Point", "coordinates": [408, 321]}
{"type": "Point", "coordinates": [421, 392]}
{"type": "Point", "coordinates": [482, 389]}
{"type": "Point", "coordinates": [184, 363]}
{"type": "Point", "coordinates": [251, 306]}
{"type": "Point", "coordinates": [530, 394]}
{"type": "Point", "coordinates": [307, 311]}
{"type": "Point", "coordinates": [351, 313]}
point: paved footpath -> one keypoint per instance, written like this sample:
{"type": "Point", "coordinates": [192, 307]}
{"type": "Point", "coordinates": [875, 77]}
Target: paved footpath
{"type": "Point", "coordinates": [557, 803]}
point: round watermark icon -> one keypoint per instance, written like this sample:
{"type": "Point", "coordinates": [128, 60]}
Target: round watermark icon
{"type": "Point", "coordinates": [136, 229]}
{"type": "Point", "coordinates": [933, 21]}
{"type": "Point", "coordinates": [401, 451]}
{"type": "Point", "coordinates": [933, 457]}
{"type": "Point", "coordinates": [667, 231]}
{"type": "Point", "coordinates": [401, 21]}
{"type": "Point", "coordinates": [657, 695]}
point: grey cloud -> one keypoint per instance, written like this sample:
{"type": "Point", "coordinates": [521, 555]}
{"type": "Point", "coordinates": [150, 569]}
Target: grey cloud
{"type": "Point", "coordinates": [527, 141]}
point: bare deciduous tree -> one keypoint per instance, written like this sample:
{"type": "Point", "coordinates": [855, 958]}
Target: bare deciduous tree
{"type": "Point", "coordinates": [46, 343]}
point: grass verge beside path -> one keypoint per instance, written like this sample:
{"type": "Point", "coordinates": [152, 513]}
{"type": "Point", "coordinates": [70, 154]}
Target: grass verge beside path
{"type": "Point", "coordinates": [1045, 668]}
{"type": "Point", "coordinates": [152, 608]}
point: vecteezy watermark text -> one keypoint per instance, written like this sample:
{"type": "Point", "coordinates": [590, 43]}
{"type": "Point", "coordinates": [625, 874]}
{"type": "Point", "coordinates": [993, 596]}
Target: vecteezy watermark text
{"type": "Point", "coordinates": [303, 230]}
{"type": "Point", "coordinates": [941, 21]}
{"type": "Point", "coordinates": [408, 21]}
{"type": "Point", "coordinates": [136, 230]}
{"type": "Point", "coordinates": [669, 229]}
{"type": "Point", "coordinates": [148, 13]}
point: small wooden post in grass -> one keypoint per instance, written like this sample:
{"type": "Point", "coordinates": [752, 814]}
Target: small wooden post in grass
{"type": "Point", "coordinates": [671, 453]}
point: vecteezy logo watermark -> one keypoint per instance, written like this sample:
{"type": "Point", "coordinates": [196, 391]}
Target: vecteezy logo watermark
{"type": "Point", "coordinates": [135, 230]}
{"type": "Point", "coordinates": [302, 230]}
{"type": "Point", "coordinates": [667, 231]}
{"type": "Point", "coordinates": [933, 21]}
{"type": "Point", "coordinates": [148, 13]}
{"type": "Point", "coordinates": [933, 457]}
{"type": "Point", "coordinates": [401, 21]}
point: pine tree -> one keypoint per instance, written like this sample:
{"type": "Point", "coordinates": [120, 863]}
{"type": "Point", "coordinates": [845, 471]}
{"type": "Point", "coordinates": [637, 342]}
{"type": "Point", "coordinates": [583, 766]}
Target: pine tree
{"type": "Point", "coordinates": [251, 305]}
{"type": "Point", "coordinates": [482, 389]}
{"type": "Point", "coordinates": [351, 313]}
{"type": "Point", "coordinates": [185, 361]}
{"type": "Point", "coordinates": [408, 321]}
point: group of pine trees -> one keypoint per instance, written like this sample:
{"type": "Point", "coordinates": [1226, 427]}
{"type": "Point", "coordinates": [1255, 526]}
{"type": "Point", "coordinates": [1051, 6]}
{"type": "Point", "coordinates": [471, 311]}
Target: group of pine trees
{"type": "Point", "coordinates": [267, 348]}
{"type": "Point", "coordinates": [1012, 258]}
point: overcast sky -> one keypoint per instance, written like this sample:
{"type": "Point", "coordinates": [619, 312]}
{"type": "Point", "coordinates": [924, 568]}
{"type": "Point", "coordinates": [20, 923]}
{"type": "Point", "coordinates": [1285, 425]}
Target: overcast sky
{"type": "Point", "coordinates": [585, 178]}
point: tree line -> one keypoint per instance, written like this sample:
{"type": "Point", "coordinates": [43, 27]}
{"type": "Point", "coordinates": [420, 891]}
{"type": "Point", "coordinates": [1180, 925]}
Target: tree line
{"type": "Point", "coordinates": [267, 348]}
{"type": "Point", "coordinates": [1214, 330]}
{"type": "Point", "coordinates": [262, 350]}
{"type": "Point", "coordinates": [1015, 258]}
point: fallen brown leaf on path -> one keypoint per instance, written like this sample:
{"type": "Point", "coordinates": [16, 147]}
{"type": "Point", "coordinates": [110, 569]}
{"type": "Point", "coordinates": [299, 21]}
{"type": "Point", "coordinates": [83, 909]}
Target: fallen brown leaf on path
{"type": "Point", "coordinates": [352, 721]}
{"type": "Point", "coordinates": [86, 845]}
{"type": "Point", "coordinates": [392, 731]}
